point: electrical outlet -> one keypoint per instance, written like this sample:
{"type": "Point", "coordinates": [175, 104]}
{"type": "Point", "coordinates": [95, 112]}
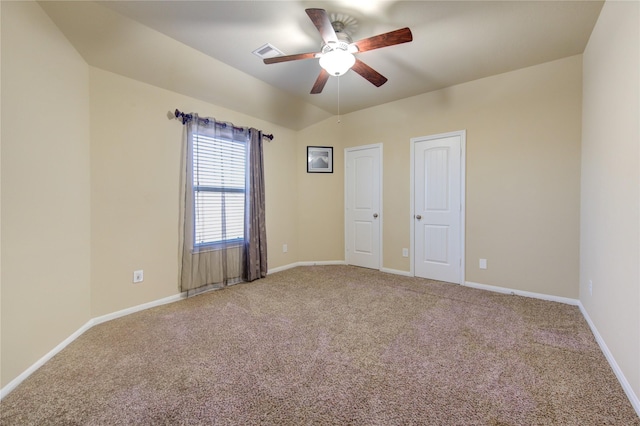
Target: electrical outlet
{"type": "Point", "coordinates": [138, 276]}
{"type": "Point", "coordinates": [284, 248]}
{"type": "Point", "coordinates": [483, 263]}
{"type": "Point", "coordinates": [405, 252]}
{"type": "Point", "coordinates": [590, 288]}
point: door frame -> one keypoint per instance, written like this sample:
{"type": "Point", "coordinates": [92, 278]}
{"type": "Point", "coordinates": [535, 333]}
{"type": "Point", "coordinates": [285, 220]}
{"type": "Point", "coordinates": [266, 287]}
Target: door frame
{"type": "Point", "coordinates": [380, 214]}
{"type": "Point", "coordinates": [463, 191]}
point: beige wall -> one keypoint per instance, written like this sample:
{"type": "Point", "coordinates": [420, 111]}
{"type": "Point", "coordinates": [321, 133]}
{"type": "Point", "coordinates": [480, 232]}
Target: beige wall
{"type": "Point", "coordinates": [45, 188]}
{"type": "Point", "coordinates": [321, 196]}
{"type": "Point", "coordinates": [610, 217]}
{"type": "Point", "coordinates": [135, 160]}
{"type": "Point", "coordinates": [523, 175]}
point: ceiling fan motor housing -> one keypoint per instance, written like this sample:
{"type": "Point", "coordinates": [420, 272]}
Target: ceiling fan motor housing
{"type": "Point", "coordinates": [339, 45]}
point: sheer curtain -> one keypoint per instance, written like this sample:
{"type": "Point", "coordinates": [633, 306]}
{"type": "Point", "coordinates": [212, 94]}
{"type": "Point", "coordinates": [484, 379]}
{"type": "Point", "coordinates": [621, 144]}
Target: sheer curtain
{"type": "Point", "coordinates": [223, 238]}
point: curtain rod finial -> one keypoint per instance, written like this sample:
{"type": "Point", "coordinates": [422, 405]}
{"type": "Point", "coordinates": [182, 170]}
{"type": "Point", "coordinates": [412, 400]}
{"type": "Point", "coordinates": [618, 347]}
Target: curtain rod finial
{"type": "Point", "coordinates": [185, 117]}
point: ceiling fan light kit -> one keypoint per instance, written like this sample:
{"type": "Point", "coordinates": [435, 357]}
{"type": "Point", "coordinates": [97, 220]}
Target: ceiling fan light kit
{"type": "Point", "coordinates": [337, 61]}
{"type": "Point", "coordinates": [338, 52]}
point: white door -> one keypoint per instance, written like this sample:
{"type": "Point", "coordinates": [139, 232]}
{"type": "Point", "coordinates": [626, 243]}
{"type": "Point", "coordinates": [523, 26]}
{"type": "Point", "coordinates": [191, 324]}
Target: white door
{"type": "Point", "coordinates": [438, 206]}
{"type": "Point", "coordinates": [362, 205]}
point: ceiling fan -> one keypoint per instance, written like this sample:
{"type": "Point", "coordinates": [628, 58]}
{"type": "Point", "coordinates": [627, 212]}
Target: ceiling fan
{"type": "Point", "coordinates": [337, 53]}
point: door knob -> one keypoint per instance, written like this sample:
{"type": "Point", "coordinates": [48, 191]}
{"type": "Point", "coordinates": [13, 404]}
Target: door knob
{"type": "Point", "coordinates": [375, 215]}
{"type": "Point", "coordinates": [418, 217]}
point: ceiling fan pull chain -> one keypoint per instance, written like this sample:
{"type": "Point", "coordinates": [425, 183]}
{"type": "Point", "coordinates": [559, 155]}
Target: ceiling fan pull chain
{"type": "Point", "coordinates": [338, 100]}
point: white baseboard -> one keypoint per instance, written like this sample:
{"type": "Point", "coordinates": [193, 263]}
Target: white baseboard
{"type": "Point", "coordinates": [309, 263]}
{"type": "Point", "coordinates": [282, 268]}
{"type": "Point", "coordinates": [633, 398]}
{"type": "Point", "coordinates": [94, 321]}
{"type": "Point", "coordinates": [323, 263]}
{"type": "Point", "coordinates": [628, 390]}
{"type": "Point", "coordinates": [504, 290]}
{"type": "Point", "coordinates": [396, 272]}
{"type": "Point", "coordinates": [332, 262]}
{"type": "Point", "coordinates": [29, 371]}
{"type": "Point", "coordinates": [133, 309]}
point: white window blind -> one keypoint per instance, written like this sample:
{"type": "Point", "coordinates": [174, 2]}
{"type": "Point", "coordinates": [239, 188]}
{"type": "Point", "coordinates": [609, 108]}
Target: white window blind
{"type": "Point", "coordinates": [219, 169]}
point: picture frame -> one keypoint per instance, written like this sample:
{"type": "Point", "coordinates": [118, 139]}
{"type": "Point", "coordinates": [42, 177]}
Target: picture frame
{"type": "Point", "coordinates": [319, 159]}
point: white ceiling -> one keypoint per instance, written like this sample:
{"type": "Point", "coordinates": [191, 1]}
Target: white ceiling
{"type": "Point", "coordinates": [453, 42]}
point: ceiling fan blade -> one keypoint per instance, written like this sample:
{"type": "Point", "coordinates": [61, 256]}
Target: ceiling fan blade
{"type": "Point", "coordinates": [320, 82]}
{"type": "Point", "coordinates": [320, 19]}
{"type": "Point", "coordinates": [286, 58]}
{"type": "Point", "coordinates": [400, 36]}
{"type": "Point", "coordinates": [369, 73]}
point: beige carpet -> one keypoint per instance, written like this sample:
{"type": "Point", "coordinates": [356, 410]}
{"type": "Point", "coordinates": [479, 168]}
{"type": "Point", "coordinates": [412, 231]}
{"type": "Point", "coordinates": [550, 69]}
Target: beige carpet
{"type": "Point", "coordinates": [331, 345]}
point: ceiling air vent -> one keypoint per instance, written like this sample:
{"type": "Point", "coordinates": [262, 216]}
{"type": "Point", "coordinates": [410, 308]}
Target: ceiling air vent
{"type": "Point", "coordinates": [267, 51]}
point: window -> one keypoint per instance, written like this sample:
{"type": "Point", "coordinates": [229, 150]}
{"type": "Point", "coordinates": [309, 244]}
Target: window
{"type": "Point", "coordinates": [219, 169]}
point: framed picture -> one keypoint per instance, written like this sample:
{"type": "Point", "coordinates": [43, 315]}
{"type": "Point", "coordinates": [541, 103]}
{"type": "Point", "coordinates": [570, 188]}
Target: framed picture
{"type": "Point", "coordinates": [319, 159]}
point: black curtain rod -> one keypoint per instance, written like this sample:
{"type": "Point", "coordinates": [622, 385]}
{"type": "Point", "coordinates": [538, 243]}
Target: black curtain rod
{"type": "Point", "coordinates": [188, 117]}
